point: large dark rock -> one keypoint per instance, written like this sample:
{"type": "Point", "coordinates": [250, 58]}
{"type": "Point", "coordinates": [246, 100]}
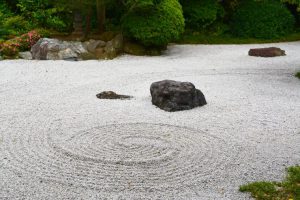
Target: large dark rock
{"type": "Point", "coordinates": [175, 96]}
{"type": "Point", "coordinates": [267, 52]}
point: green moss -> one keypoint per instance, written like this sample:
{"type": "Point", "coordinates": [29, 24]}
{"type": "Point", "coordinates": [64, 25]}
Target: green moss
{"type": "Point", "coordinates": [288, 189]}
{"type": "Point", "coordinates": [208, 38]}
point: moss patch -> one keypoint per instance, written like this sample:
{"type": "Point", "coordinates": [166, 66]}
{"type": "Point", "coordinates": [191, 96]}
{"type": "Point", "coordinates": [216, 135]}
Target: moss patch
{"type": "Point", "coordinates": [289, 189]}
{"type": "Point", "coordinates": [210, 38]}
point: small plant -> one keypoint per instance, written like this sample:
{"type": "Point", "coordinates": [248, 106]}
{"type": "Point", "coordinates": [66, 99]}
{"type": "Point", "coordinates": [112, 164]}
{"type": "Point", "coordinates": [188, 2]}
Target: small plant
{"type": "Point", "coordinates": [11, 48]}
{"type": "Point", "coordinates": [27, 40]}
{"type": "Point", "coordinates": [298, 75]}
{"type": "Point", "coordinates": [289, 189]}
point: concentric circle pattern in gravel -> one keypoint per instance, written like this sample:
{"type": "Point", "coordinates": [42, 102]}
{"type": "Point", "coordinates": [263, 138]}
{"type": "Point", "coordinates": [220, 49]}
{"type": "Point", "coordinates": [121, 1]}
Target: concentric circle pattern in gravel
{"type": "Point", "coordinates": [58, 141]}
{"type": "Point", "coordinates": [122, 156]}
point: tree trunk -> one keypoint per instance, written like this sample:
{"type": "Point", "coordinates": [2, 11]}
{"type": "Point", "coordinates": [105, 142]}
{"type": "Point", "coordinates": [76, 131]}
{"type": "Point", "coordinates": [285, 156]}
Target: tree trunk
{"type": "Point", "coordinates": [101, 15]}
{"type": "Point", "coordinates": [77, 24]}
{"type": "Point", "coordinates": [88, 21]}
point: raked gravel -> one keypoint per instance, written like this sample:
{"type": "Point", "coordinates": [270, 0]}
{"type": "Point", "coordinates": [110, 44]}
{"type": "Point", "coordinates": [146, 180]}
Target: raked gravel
{"type": "Point", "coordinates": [58, 141]}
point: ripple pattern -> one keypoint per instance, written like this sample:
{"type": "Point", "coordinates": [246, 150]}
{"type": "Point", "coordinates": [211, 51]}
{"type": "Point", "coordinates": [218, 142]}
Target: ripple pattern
{"type": "Point", "coordinates": [119, 157]}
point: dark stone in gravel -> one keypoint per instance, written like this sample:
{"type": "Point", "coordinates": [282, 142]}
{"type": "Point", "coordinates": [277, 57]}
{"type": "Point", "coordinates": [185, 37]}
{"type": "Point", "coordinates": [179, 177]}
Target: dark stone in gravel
{"type": "Point", "coordinates": [175, 96]}
{"type": "Point", "coordinates": [267, 52]}
{"type": "Point", "coordinates": [112, 95]}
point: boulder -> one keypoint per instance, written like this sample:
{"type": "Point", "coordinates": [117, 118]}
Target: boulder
{"type": "Point", "coordinates": [75, 46]}
{"type": "Point", "coordinates": [266, 52]}
{"type": "Point", "coordinates": [111, 95]}
{"type": "Point", "coordinates": [43, 47]}
{"type": "Point", "coordinates": [92, 45]}
{"type": "Point", "coordinates": [118, 43]}
{"type": "Point", "coordinates": [99, 53]}
{"type": "Point", "coordinates": [88, 56]}
{"type": "Point", "coordinates": [110, 51]}
{"type": "Point", "coordinates": [53, 49]}
{"type": "Point", "coordinates": [25, 55]}
{"type": "Point", "coordinates": [175, 96]}
{"type": "Point", "coordinates": [67, 54]}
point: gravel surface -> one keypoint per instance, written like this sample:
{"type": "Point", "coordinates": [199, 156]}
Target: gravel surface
{"type": "Point", "coordinates": [58, 141]}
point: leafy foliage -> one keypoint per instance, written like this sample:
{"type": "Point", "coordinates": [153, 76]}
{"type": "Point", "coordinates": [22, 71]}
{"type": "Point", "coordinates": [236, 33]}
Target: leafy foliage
{"type": "Point", "coordinates": [201, 14]}
{"type": "Point", "coordinates": [155, 26]}
{"type": "Point", "coordinates": [16, 25]}
{"type": "Point", "coordinates": [262, 19]}
{"type": "Point", "coordinates": [4, 13]}
{"type": "Point", "coordinates": [151, 22]}
{"type": "Point", "coordinates": [294, 2]}
{"type": "Point", "coordinates": [288, 189]}
{"type": "Point", "coordinates": [45, 14]}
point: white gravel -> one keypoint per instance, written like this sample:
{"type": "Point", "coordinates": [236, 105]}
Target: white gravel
{"type": "Point", "coordinates": [58, 141]}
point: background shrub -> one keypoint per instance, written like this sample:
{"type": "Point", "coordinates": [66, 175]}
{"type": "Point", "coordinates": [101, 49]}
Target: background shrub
{"type": "Point", "coordinates": [155, 26]}
{"type": "Point", "coordinates": [44, 13]}
{"type": "Point", "coordinates": [4, 13]}
{"type": "Point", "coordinates": [16, 25]}
{"type": "Point", "coordinates": [262, 19]}
{"type": "Point", "coordinates": [200, 14]}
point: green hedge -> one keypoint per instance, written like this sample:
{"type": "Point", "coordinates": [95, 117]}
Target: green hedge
{"type": "Point", "coordinates": [201, 14]}
{"type": "Point", "coordinates": [156, 26]}
{"type": "Point", "coordinates": [262, 19]}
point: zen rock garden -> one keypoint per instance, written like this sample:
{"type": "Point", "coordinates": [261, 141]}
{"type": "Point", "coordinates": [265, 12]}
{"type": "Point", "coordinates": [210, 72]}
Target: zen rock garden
{"type": "Point", "coordinates": [150, 99]}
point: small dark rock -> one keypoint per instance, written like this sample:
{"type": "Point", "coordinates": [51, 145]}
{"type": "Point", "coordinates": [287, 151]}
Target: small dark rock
{"type": "Point", "coordinates": [175, 96]}
{"type": "Point", "coordinates": [267, 52]}
{"type": "Point", "coordinates": [112, 95]}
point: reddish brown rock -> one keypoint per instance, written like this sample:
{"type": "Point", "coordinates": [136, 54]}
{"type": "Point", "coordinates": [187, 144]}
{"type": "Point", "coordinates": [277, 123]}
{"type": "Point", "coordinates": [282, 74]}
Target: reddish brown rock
{"type": "Point", "coordinates": [266, 52]}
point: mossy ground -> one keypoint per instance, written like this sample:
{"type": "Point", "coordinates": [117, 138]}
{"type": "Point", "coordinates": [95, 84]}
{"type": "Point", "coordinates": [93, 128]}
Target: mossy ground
{"type": "Point", "coordinates": [206, 38]}
{"type": "Point", "coordinates": [289, 189]}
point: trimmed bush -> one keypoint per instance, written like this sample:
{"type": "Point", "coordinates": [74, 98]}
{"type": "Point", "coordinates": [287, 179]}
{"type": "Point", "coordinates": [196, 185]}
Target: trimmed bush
{"type": "Point", "coordinates": [262, 19]}
{"type": "Point", "coordinates": [157, 26]}
{"type": "Point", "coordinates": [201, 14]}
